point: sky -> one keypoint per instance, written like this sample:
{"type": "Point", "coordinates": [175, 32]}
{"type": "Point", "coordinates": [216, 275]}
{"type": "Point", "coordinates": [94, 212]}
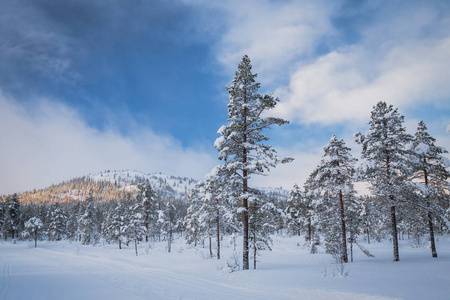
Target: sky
{"type": "Point", "coordinates": [88, 86]}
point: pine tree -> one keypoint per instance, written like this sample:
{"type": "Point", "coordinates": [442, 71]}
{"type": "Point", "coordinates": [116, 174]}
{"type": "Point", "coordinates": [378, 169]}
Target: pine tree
{"type": "Point", "coordinates": [135, 225]}
{"type": "Point", "coordinates": [87, 222]}
{"type": "Point", "coordinates": [430, 176]}
{"type": "Point", "coordinates": [191, 220]}
{"type": "Point", "coordinates": [241, 145]}
{"type": "Point", "coordinates": [334, 181]}
{"type": "Point", "coordinates": [166, 219]}
{"type": "Point", "coordinates": [57, 226]}
{"type": "Point", "coordinates": [388, 167]}
{"type": "Point", "coordinates": [32, 227]}
{"type": "Point", "coordinates": [261, 226]}
{"type": "Point", "coordinates": [294, 202]}
{"type": "Point", "coordinates": [148, 197]}
{"type": "Point", "coordinates": [11, 216]}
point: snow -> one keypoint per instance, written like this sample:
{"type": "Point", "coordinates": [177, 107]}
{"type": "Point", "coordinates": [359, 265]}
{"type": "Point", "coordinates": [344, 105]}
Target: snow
{"type": "Point", "coordinates": [64, 270]}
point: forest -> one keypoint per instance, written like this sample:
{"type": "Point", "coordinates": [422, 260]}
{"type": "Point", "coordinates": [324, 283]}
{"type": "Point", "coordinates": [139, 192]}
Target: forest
{"type": "Point", "coordinates": [406, 174]}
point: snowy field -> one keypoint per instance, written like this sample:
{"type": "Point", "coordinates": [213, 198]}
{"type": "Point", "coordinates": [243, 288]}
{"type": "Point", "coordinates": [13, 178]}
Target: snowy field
{"type": "Point", "coordinates": [71, 271]}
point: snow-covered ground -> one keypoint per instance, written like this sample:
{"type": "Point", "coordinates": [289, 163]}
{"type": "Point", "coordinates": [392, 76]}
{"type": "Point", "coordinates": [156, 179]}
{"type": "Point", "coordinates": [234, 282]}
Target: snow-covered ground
{"type": "Point", "coordinates": [66, 270]}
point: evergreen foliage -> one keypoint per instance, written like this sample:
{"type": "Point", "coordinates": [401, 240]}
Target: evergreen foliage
{"type": "Point", "coordinates": [242, 144]}
{"type": "Point", "coordinates": [387, 168]}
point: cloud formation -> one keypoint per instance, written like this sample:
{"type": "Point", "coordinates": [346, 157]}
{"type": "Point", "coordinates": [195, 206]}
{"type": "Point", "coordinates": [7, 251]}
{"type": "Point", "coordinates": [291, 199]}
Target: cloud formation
{"type": "Point", "coordinates": [49, 142]}
{"type": "Point", "coordinates": [336, 66]}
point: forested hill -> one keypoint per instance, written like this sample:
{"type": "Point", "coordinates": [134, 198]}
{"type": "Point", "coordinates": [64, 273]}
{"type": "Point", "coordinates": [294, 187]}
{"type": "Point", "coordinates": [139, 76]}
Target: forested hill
{"type": "Point", "coordinates": [113, 185]}
{"type": "Point", "coordinates": [110, 185]}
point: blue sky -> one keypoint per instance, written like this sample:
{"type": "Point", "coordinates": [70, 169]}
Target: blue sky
{"type": "Point", "coordinates": [88, 85]}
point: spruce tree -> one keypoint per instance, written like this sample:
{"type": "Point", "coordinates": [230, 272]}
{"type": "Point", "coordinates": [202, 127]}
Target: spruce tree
{"type": "Point", "coordinates": [430, 176]}
{"type": "Point", "coordinates": [241, 145]}
{"type": "Point", "coordinates": [387, 160]}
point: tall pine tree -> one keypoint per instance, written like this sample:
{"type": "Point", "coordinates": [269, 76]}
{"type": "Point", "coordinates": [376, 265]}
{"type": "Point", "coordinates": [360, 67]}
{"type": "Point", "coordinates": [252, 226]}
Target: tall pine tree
{"type": "Point", "coordinates": [241, 145]}
{"type": "Point", "coordinates": [387, 160]}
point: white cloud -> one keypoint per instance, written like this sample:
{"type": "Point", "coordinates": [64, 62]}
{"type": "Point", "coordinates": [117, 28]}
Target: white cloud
{"type": "Point", "coordinates": [49, 142]}
{"type": "Point", "coordinates": [401, 54]}
{"type": "Point", "coordinates": [272, 33]}
{"type": "Point", "coordinates": [345, 84]}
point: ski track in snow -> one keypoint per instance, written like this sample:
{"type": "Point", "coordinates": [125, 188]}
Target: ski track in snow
{"type": "Point", "coordinates": [155, 283]}
{"type": "Point", "coordinates": [4, 288]}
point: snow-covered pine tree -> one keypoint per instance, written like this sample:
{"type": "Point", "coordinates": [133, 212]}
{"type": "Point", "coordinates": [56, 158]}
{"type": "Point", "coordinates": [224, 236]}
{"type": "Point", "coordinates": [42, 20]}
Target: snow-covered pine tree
{"type": "Point", "coordinates": [191, 220]}
{"type": "Point", "coordinates": [147, 196]}
{"type": "Point", "coordinates": [72, 221]}
{"type": "Point", "coordinates": [32, 227]}
{"type": "Point", "coordinates": [57, 226]}
{"type": "Point", "coordinates": [262, 216]}
{"type": "Point", "coordinates": [135, 224]}
{"type": "Point", "coordinates": [12, 216]}
{"type": "Point", "coordinates": [113, 225]}
{"type": "Point", "coordinates": [334, 180]}
{"type": "Point", "coordinates": [87, 222]}
{"type": "Point", "coordinates": [241, 145]}
{"type": "Point", "coordinates": [307, 215]}
{"type": "Point", "coordinates": [294, 202]}
{"type": "Point", "coordinates": [387, 160]}
{"type": "Point", "coordinates": [369, 216]}
{"type": "Point", "coordinates": [430, 177]}
{"type": "Point", "coordinates": [166, 219]}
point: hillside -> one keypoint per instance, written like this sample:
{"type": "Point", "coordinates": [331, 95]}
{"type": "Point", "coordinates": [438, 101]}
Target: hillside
{"type": "Point", "coordinates": [111, 185]}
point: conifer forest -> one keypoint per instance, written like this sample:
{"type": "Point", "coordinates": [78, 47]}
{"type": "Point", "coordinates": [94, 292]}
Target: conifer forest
{"type": "Point", "coordinates": [405, 197]}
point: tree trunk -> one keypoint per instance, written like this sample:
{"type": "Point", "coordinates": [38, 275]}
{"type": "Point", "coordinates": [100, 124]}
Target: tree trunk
{"type": "Point", "coordinates": [35, 237]}
{"type": "Point", "coordinates": [430, 220]}
{"type": "Point", "coordinates": [368, 236]}
{"type": "Point", "coordinates": [351, 249]}
{"type": "Point", "coordinates": [344, 256]}
{"type": "Point", "coordinates": [218, 234]}
{"type": "Point", "coordinates": [135, 246]}
{"type": "Point", "coordinates": [254, 250]}
{"type": "Point", "coordinates": [120, 244]}
{"type": "Point", "coordinates": [245, 262]}
{"type": "Point", "coordinates": [394, 233]}
{"type": "Point", "coordinates": [433, 244]}
{"type": "Point", "coordinates": [209, 238]}
{"type": "Point", "coordinates": [309, 230]}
